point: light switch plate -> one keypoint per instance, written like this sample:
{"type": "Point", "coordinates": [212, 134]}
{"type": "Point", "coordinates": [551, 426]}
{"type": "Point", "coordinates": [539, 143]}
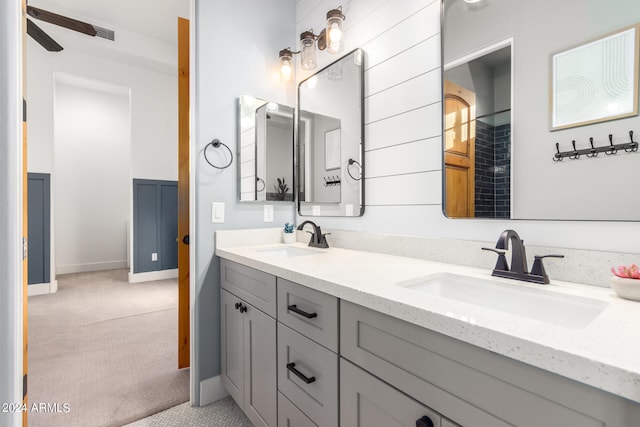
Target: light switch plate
{"type": "Point", "coordinates": [268, 213]}
{"type": "Point", "coordinates": [154, 256]}
{"type": "Point", "coordinates": [217, 212]}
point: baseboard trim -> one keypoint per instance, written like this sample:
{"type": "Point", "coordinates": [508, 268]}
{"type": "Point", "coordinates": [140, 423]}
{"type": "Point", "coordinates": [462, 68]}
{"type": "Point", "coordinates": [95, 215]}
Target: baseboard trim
{"type": "Point", "coordinates": [43, 288]}
{"type": "Point", "coordinates": [211, 390]}
{"type": "Point", "coordinates": [96, 266]}
{"type": "Point", "coordinates": [153, 275]}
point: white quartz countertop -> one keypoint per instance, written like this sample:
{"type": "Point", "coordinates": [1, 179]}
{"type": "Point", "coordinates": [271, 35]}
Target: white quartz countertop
{"type": "Point", "coordinates": [604, 354]}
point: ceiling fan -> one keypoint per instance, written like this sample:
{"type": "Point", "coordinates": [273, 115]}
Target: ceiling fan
{"type": "Point", "coordinates": [43, 38]}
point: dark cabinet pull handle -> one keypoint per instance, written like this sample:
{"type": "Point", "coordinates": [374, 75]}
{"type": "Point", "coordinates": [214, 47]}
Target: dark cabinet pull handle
{"type": "Point", "coordinates": [424, 422]}
{"type": "Point", "coordinates": [302, 313]}
{"type": "Point", "coordinates": [292, 368]}
{"type": "Point", "coordinates": [243, 308]}
{"type": "Point", "coordinates": [238, 305]}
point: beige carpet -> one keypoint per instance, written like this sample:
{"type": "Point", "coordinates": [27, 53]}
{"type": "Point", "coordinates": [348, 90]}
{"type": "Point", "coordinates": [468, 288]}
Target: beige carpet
{"type": "Point", "coordinates": [103, 352]}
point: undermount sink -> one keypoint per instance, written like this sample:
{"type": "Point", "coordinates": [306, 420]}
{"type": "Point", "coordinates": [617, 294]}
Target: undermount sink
{"type": "Point", "coordinates": [539, 304]}
{"type": "Point", "coordinates": [288, 251]}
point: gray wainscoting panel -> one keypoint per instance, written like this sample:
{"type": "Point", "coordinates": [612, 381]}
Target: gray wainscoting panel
{"type": "Point", "coordinates": [39, 218]}
{"type": "Point", "coordinates": [155, 224]}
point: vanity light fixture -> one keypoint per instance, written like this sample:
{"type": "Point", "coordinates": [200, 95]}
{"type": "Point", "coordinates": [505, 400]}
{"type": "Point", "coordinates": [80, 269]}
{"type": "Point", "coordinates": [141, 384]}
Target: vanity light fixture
{"type": "Point", "coordinates": [330, 38]}
{"type": "Point", "coordinates": [308, 50]}
{"type": "Point", "coordinates": [334, 30]}
{"type": "Point", "coordinates": [286, 65]}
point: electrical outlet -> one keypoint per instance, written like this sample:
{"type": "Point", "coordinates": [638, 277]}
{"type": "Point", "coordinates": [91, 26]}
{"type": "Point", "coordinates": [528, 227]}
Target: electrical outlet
{"type": "Point", "coordinates": [268, 213]}
{"type": "Point", "coordinates": [154, 256]}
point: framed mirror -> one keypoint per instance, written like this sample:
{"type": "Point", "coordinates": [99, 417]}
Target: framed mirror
{"type": "Point", "coordinates": [520, 179]}
{"type": "Point", "coordinates": [330, 139]}
{"type": "Point", "coordinates": [265, 158]}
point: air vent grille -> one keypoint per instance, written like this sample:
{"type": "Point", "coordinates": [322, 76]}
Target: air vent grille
{"type": "Point", "coordinates": [105, 33]}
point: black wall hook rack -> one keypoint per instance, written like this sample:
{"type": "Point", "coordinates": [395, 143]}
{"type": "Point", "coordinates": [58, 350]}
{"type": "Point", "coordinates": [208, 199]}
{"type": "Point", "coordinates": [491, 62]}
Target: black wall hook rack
{"type": "Point", "coordinates": [593, 151]}
{"type": "Point", "coordinates": [332, 180]}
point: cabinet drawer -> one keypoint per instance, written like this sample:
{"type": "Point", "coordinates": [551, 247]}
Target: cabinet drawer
{"type": "Point", "coordinates": [365, 401]}
{"type": "Point", "coordinates": [467, 384]}
{"type": "Point", "coordinates": [312, 313]}
{"type": "Point", "coordinates": [290, 416]}
{"type": "Point", "coordinates": [255, 287]}
{"type": "Point", "coordinates": [317, 398]}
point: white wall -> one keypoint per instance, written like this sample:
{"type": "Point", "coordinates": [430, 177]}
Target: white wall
{"type": "Point", "coordinates": [92, 177]}
{"type": "Point", "coordinates": [236, 52]}
{"type": "Point", "coordinates": [403, 133]}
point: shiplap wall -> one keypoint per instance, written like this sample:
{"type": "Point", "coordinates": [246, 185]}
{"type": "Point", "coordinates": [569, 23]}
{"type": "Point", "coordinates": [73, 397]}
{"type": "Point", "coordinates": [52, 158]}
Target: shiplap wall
{"type": "Point", "coordinates": [401, 40]}
{"type": "Point", "coordinates": [403, 157]}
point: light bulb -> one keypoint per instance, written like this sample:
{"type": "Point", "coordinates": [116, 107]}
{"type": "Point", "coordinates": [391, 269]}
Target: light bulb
{"type": "Point", "coordinates": [334, 30]}
{"type": "Point", "coordinates": [285, 65]}
{"type": "Point", "coordinates": [285, 72]}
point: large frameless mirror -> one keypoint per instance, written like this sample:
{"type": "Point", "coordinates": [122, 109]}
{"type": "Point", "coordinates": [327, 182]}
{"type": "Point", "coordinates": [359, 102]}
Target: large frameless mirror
{"type": "Point", "coordinates": [265, 135]}
{"type": "Point", "coordinates": [501, 86]}
{"type": "Point", "coordinates": [330, 141]}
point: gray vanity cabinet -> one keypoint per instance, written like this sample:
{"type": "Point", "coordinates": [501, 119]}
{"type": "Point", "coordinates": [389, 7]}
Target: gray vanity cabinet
{"type": "Point", "coordinates": [472, 386]}
{"type": "Point", "coordinates": [248, 345]}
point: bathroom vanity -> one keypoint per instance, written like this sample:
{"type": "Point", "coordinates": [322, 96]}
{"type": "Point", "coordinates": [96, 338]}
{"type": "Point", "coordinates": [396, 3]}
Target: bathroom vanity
{"type": "Point", "coordinates": [327, 337]}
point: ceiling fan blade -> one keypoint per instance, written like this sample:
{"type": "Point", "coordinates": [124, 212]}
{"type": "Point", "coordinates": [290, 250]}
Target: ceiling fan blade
{"type": "Point", "coordinates": [63, 21]}
{"type": "Point", "coordinates": [42, 38]}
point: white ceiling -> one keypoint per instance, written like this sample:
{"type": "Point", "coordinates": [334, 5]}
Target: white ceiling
{"type": "Point", "coordinates": [155, 18]}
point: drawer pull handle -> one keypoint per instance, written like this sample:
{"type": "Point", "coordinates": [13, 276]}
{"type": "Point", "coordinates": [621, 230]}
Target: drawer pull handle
{"type": "Point", "coordinates": [302, 313]}
{"type": "Point", "coordinates": [292, 368]}
{"type": "Point", "coordinates": [238, 305]}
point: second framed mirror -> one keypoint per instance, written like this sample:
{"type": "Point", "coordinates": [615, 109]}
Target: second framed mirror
{"type": "Point", "coordinates": [330, 139]}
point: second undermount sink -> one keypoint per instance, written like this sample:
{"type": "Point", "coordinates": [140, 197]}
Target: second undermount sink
{"type": "Point", "coordinates": [539, 304]}
{"type": "Point", "coordinates": [288, 251]}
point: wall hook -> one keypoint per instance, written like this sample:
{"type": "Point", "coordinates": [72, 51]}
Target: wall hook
{"type": "Point", "coordinates": [633, 146]}
{"type": "Point", "coordinates": [558, 156]}
{"type": "Point", "coordinates": [612, 149]}
{"type": "Point", "coordinates": [593, 152]}
{"type": "Point", "coordinates": [575, 155]}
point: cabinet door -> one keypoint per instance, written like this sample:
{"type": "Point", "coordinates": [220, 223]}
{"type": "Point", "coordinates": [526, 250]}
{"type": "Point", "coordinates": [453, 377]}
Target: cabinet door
{"type": "Point", "coordinates": [260, 381]}
{"type": "Point", "coordinates": [231, 347]}
{"type": "Point", "coordinates": [366, 401]}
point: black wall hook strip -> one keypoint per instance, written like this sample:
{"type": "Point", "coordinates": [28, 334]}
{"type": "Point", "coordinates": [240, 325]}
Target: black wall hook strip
{"type": "Point", "coordinates": [629, 147]}
{"type": "Point", "coordinates": [216, 143]}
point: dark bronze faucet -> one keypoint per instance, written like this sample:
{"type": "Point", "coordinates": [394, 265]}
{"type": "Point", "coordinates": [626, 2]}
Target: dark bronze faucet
{"type": "Point", "coordinates": [518, 268]}
{"type": "Point", "coordinates": [318, 240]}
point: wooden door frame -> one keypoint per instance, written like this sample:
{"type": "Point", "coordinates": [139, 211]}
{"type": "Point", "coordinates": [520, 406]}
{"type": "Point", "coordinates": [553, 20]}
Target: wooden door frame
{"type": "Point", "coordinates": [184, 303]}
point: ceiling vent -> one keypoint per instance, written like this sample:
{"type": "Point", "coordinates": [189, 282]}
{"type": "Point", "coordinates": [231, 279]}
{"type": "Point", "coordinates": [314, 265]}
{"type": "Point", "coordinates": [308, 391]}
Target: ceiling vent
{"type": "Point", "coordinates": [105, 33]}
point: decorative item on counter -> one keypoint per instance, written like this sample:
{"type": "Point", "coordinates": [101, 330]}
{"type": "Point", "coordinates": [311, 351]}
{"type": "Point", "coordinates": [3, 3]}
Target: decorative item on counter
{"type": "Point", "coordinates": [289, 233]}
{"type": "Point", "coordinates": [281, 189]}
{"type": "Point", "coordinates": [626, 281]}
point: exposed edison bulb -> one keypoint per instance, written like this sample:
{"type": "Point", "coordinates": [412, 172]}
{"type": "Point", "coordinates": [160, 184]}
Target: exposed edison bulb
{"type": "Point", "coordinates": [285, 71]}
{"type": "Point", "coordinates": [334, 30]}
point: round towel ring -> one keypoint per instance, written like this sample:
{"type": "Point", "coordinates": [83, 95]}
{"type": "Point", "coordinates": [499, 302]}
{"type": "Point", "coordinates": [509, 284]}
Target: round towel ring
{"type": "Point", "coordinates": [352, 161]}
{"type": "Point", "coordinates": [216, 143]}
